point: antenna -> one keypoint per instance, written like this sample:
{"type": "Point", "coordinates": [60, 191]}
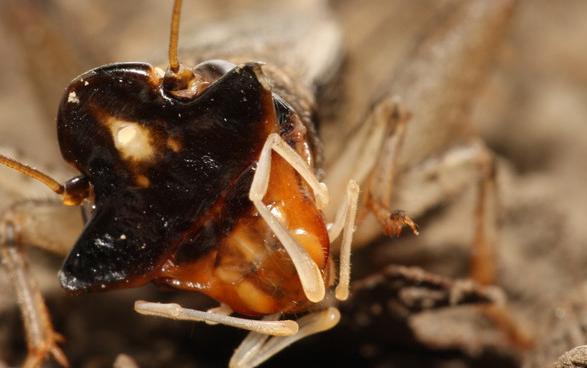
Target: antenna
{"type": "Point", "coordinates": [174, 36]}
{"type": "Point", "coordinates": [33, 173]}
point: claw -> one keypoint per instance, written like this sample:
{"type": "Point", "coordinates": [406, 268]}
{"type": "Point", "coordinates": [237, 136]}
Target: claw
{"type": "Point", "coordinates": [392, 222]}
{"type": "Point", "coordinates": [36, 356]}
{"type": "Point", "coordinates": [396, 222]}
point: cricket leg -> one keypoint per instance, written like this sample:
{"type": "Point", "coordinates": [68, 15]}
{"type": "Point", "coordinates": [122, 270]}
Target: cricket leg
{"type": "Point", "coordinates": [483, 257]}
{"type": "Point", "coordinates": [345, 223]}
{"type": "Point", "coordinates": [177, 312]}
{"type": "Point", "coordinates": [344, 220]}
{"type": "Point", "coordinates": [381, 182]}
{"type": "Point", "coordinates": [440, 179]}
{"type": "Point", "coordinates": [250, 346]}
{"type": "Point", "coordinates": [308, 272]}
{"type": "Point", "coordinates": [371, 158]}
{"type": "Point", "coordinates": [482, 267]}
{"type": "Point", "coordinates": [42, 340]}
{"type": "Point", "coordinates": [32, 223]}
{"type": "Point", "coordinates": [381, 186]}
{"type": "Point", "coordinates": [257, 348]}
{"type": "Point", "coordinates": [221, 309]}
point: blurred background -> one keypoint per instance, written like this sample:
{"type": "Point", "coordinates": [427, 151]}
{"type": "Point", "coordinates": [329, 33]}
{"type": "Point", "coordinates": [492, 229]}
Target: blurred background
{"type": "Point", "coordinates": [532, 112]}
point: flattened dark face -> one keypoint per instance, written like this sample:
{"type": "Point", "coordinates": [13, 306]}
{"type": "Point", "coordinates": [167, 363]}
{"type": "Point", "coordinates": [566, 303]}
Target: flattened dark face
{"type": "Point", "coordinates": [158, 160]}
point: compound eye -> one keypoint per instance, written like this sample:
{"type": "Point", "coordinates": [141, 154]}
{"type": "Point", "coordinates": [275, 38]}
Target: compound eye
{"type": "Point", "coordinates": [190, 83]}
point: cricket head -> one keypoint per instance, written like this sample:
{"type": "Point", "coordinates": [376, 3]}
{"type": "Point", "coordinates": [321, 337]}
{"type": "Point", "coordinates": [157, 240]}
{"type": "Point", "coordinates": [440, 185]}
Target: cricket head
{"type": "Point", "coordinates": [155, 149]}
{"type": "Point", "coordinates": [156, 152]}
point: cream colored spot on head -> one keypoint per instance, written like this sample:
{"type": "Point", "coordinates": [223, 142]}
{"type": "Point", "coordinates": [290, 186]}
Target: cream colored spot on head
{"type": "Point", "coordinates": [126, 134]}
{"type": "Point", "coordinates": [132, 140]}
{"type": "Point", "coordinates": [72, 98]}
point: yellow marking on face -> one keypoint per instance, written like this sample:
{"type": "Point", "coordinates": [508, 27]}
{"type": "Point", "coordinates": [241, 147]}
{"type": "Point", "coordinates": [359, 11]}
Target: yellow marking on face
{"type": "Point", "coordinates": [131, 139]}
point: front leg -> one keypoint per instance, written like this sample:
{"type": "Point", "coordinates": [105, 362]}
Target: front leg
{"type": "Point", "coordinates": [257, 348]}
{"type": "Point", "coordinates": [177, 312]}
{"type": "Point", "coordinates": [439, 180]}
{"type": "Point", "coordinates": [345, 223]}
{"type": "Point", "coordinates": [371, 158]}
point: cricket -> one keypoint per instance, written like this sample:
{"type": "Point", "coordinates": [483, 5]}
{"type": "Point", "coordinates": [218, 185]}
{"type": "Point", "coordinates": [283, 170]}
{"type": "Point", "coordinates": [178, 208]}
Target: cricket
{"type": "Point", "coordinates": [240, 168]}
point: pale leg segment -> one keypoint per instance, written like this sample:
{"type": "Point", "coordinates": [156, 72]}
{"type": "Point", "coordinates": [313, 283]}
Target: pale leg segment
{"type": "Point", "coordinates": [221, 309]}
{"type": "Point", "coordinates": [177, 312]}
{"type": "Point", "coordinates": [370, 158]}
{"type": "Point", "coordinates": [308, 271]}
{"type": "Point", "coordinates": [362, 151]}
{"type": "Point", "coordinates": [256, 348]}
{"type": "Point", "coordinates": [250, 346]}
{"type": "Point", "coordinates": [345, 222]}
{"type": "Point", "coordinates": [261, 179]}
